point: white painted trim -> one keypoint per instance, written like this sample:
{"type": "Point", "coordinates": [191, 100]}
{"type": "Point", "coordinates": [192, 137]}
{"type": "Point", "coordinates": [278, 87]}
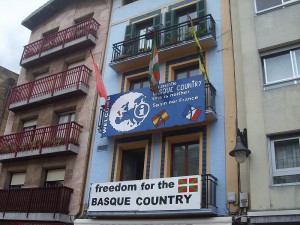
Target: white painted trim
{"type": "Point", "coordinates": [200, 221]}
{"type": "Point", "coordinates": [274, 213]}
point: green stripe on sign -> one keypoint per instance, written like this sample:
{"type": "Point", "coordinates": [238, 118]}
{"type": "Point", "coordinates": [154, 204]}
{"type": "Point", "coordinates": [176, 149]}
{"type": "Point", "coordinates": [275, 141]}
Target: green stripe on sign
{"type": "Point", "coordinates": [193, 180]}
{"type": "Point", "coordinates": [182, 189]}
{"type": "Point", "coordinates": [182, 181]}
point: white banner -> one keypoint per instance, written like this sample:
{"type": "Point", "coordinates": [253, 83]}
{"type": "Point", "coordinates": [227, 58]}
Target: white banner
{"type": "Point", "coordinates": [175, 193]}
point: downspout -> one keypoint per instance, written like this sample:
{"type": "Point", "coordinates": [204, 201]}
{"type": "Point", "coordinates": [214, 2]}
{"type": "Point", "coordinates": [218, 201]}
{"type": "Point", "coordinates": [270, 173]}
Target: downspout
{"type": "Point", "coordinates": [93, 122]}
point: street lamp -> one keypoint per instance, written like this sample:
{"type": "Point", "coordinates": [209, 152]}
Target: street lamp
{"type": "Point", "coordinates": [240, 152]}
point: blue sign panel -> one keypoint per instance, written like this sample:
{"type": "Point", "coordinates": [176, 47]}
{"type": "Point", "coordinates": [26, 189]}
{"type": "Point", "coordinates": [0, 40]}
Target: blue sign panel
{"type": "Point", "coordinates": [177, 103]}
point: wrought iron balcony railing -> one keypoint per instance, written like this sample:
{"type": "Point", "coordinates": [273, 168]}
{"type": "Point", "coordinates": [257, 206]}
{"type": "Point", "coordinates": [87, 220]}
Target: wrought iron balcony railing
{"type": "Point", "coordinates": [180, 33]}
{"type": "Point", "coordinates": [210, 97]}
{"type": "Point", "coordinates": [40, 139]}
{"type": "Point", "coordinates": [60, 39]}
{"type": "Point", "coordinates": [36, 200]}
{"type": "Point", "coordinates": [209, 191]}
{"type": "Point", "coordinates": [49, 86]}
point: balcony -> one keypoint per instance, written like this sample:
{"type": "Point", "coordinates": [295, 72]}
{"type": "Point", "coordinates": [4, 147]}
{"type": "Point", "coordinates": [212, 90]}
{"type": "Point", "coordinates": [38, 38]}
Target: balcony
{"type": "Point", "coordinates": [69, 83]}
{"type": "Point", "coordinates": [73, 38]}
{"type": "Point", "coordinates": [210, 102]}
{"type": "Point", "coordinates": [35, 203]}
{"type": "Point", "coordinates": [208, 204]}
{"type": "Point", "coordinates": [53, 140]}
{"type": "Point", "coordinates": [172, 42]}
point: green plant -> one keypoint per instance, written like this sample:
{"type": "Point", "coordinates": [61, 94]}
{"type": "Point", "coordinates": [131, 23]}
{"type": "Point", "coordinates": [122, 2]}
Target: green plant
{"type": "Point", "coordinates": [188, 34]}
{"type": "Point", "coordinates": [79, 33]}
{"type": "Point", "coordinates": [47, 46]}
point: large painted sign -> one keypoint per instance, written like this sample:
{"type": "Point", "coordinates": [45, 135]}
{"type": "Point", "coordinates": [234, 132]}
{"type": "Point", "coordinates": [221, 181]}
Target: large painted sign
{"type": "Point", "coordinates": [175, 193]}
{"type": "Point", "coordinates": [177, 103]}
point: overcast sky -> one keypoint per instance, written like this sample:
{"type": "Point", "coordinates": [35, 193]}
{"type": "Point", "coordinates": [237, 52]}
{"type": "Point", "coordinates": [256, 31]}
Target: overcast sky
{"type": "Point", "coordinates": [13, 36]}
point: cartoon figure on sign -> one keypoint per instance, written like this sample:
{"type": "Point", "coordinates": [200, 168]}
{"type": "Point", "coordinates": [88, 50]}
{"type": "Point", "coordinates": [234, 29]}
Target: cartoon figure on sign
{"type": "Point", "coordinates": [128, 111]}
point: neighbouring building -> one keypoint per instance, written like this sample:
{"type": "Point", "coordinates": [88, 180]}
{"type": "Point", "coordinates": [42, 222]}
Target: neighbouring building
{"type": "Point", "coordinates": [7, 80]}
{"type": "Point", "coordinates": [163, 158]}
{"type": "Point", "coordinates": [45, 149]}
{"type": "Point", "coordinates": [267, 71]}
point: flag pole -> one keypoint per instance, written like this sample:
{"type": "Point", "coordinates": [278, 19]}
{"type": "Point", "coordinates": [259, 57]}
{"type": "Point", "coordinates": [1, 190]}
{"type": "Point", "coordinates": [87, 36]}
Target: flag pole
{"type": "Point", "coordinates": [202, 69]}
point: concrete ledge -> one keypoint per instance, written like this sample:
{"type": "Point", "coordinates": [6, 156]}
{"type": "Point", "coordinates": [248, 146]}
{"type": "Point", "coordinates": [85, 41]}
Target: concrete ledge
{"type": "Point", "coordinates": [195, 221]}
{"type": "Point", "coordinates": [31, 153]}
{"type": "Point", "coordinates": [58, 217]}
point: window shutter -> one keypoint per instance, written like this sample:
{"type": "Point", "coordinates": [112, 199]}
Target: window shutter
{"type": "Point", "coordinates": [157, 22]}
{"type": "Point", "coordinates": [55, 175]}
{"type": "Point", "coordinates": [201, 11]}
{"type": "Point", "coordinates": [201, 8]}
{"type": "Point", "coordinates": [170, 20]}
{"type": "Point", "coordinates": [18, 179]}
{"type": "Point", "coordinates": [130, 31]}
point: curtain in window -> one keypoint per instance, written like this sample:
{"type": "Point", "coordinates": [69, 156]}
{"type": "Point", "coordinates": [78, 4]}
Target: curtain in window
{"type": "Point", "coordinates": [287, 154]}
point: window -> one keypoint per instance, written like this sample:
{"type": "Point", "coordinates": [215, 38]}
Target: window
{"type": "Point", "coordinates": [282, 67]}
{"type": "Point", "coordinates": [49, 32]}
{"type": "Point", "coordinates": [285, 154]}
{"type": "Point", "coordinates": [132, 167]}
{"type": "Point", "coordinates": [41, 75]}
{"type": "Point", "coordinates": [29, 125]}
{"type": "Point", "coordinates": [177, 15]}
{"type": "Point", "coordinates": [139, 83]}
{"type": "Point", "coordinates": [66, 117]}
{"type": "Point", "coordinates": [265, 5]}
{"type": "Point", "coordinates": [55, 178]}
{"type": "Point", "coordinates": [126, 2]}
{"type": "Point", "coordinates": [185, 159]}
{"type": "Point", "coordinates": [142, 29]}
{"type": "Point", "coordinates": [133, 42]}
{"type": "Point", "coordinates": [186, 72]}
{"type": "Point", "coordinates": [17, 180]}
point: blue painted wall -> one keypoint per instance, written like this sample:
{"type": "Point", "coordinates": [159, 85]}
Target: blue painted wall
{"type": "Point", "coordinates": [100, 163]}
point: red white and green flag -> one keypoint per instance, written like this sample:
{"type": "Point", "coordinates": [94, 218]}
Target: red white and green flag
{"type": "Point", "coordinates": [153, 73]}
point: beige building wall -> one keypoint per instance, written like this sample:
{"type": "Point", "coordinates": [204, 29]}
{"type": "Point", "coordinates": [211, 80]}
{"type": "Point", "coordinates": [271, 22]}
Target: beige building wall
{"type": "Point", "coordinates": [46, 114]}
{"type": "Point", "coordinates": [8, 79]}
{"type": "Point", "coordinates": [264, 112]}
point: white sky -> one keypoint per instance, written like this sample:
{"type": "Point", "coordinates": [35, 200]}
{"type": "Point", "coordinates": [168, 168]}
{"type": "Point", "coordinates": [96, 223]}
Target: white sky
{"type": "Point", "coordinates": [13, 35]}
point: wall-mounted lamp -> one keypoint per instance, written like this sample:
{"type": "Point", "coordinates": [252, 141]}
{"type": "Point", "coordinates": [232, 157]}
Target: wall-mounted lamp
{"type": "Point", "coordinates": [240, 152]}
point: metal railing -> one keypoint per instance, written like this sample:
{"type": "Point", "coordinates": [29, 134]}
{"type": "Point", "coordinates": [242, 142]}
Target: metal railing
{"type": "Point", "coordinates": [209, 191]}
{"type": "Point", "coordinates": [166, 37]}
{"type": "Point", "coordinates": [34, 200]}
{"type": "Point", "coordinates": [210, 96]}
{"type": "Point", "coordinates": [58, 135]}
{"type": "Point", "coordinates": [51, 84]}
{"type": "Point", "coordinates": [88, 27]}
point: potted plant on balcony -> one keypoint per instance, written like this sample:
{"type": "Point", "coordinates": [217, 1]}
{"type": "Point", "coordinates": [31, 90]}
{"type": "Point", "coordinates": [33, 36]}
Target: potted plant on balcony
{"type": "Point", "coordinates": [47, 46]}
{"type": "Point", "coordinates": [79, 32]}
{"type": "Point", "coordinates": [188, 34]}
{"type": "Point", "coordinates": [149, 33]}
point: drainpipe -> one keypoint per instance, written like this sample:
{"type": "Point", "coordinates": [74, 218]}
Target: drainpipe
{"type": "Point", "coordinates": [93, 122]}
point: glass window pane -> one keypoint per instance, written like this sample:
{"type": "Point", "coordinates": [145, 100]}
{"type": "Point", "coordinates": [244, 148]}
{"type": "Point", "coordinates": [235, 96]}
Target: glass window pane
{"type": "Point", "coordinates": [181, 75]}
{"type": "Point", "coordinates": [193, 159]}
{"type": "Point", "coordinates": [146, 84]}
{"type": "Point", "coordinates": [194, 72]}
{"type": "Point", "coordinates": [136, 86]}
{"type": "Point", "coordinates": [279, 67]}
{"type": "Point", "coordinates": [287, 179]}
{"type": "Point", "coordinates": [265, 4]}
{"type": "Point", "coordinates": [297, 53]}
{"type": "Point", "coordinates": [178, 161]}
{"type": "Point", "coordinates": [287, 154]}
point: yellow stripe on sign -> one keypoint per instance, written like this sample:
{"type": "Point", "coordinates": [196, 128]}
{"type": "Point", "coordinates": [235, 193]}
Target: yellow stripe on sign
{"type": "Point", "coordinates": [164, 115]}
